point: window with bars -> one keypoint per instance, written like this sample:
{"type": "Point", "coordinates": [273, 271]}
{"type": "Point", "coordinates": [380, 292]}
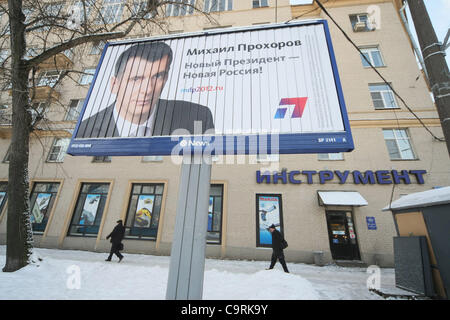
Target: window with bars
{"type": "Point", "coordinates": [398, 144]}
{"type": "Point", "coordinates": [58, 150]}
{"type": "Point", "coordinates": [372, 54]}
{"type": "Point", "coordinates": [382, 96]}
{"type": "Point", "coordinates": [260, 3]}
{"type": "Point", "coordinates": [218, 5]}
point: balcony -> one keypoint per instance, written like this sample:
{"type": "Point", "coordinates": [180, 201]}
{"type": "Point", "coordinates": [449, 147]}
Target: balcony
{"type": "Point", "coordinates": [61, 61]}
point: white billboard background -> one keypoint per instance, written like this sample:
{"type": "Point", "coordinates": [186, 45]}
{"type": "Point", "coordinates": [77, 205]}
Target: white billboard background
{"type": "Point", "coordinates": [243, 101]}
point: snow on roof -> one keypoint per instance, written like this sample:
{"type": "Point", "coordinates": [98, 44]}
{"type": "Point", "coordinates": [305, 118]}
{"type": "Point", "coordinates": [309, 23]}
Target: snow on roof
{"type": "Point", "coordinates": [342, 198]}
{"type": "Point", "coordinates": [421, 199]}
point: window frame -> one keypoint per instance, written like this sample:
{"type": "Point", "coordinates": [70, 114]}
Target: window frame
{"type": "Point", "coordinates": [217, 5]}
{"type": "Point", "coordinates": [396, 139]}
{"type": "Point", "coordinates": [381, 92]}
{"type": "Point", "coordinates": [87, 77]}
{"type": "Point", "coordinates": [103, 197]}
{"type": "Point", "coordinates": [328, 158]}
{"type": "Point", "coordinates": [209, 240]}
{"type": "Point", "coordinates": [141, 185]}
{"type": "Point", "coordinates": [73, 113]}
{"type": "Point", "coordinates": [60, 157]}
{"type": "Point", "coordinates": [50, 205]}
{"type": "Point", "coordinates": [261, 4]}
{"type": "Point", "coordinates": [371, 49]}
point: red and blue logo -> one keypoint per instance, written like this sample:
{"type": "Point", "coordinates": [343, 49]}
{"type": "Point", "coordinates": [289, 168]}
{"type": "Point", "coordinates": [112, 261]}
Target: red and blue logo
{"type": "Point", "coordinates": [299, 106]}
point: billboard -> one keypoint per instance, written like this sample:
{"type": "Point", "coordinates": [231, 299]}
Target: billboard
{"type": "Point", "coordinates": [233, 91]}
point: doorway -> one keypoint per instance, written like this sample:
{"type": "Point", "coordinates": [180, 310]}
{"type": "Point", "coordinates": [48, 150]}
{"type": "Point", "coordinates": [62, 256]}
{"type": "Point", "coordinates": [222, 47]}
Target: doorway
{"type": "Point", "coordinates": [342, 235]}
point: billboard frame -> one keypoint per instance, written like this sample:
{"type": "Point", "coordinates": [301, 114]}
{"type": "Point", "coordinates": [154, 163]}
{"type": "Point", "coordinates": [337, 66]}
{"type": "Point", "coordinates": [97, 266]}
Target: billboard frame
{"type": "Point", "coordinates": [283, 143]}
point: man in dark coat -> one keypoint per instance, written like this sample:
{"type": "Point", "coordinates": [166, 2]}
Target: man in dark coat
{"type": "Point", "coordinates": [116, 239]}
{"type": "Point", "coordinates": [277, 248]}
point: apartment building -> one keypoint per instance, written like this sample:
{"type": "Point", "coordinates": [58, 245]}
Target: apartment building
{"type": "Point", "coordinates": [328, 204]}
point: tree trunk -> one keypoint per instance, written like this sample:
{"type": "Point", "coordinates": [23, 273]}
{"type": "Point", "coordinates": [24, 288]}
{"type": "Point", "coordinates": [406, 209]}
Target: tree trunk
{"type": "Point", "coordinates": [19, 235]}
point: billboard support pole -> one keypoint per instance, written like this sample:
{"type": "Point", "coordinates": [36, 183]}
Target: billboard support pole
{"type": "Point", "coordinates": [187, 258]}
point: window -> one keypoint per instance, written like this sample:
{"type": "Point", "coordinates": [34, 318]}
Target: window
{"type": "Point", "coordinates": [48, 78]}
{"type": "Point", "coordinates": [97, 48]}
{"type": "Point", "coordinates": [214, 235]}
{"type": "Point", "coordinates": [87, 77]}
{"type": "Point", "coordinates": [268, 158]}
{"type": "Point", "coordinates": [4, 54]}
{"type": "Point", "coordinates": [138, 8]}
{"type": "Point", "coordinates": [269, 210]}
{"type": "Point", "coordinates": [100, 159]}
{"type": "Point", "coordinates": [89, 209]}
{"type": "Point", "coordinates": [330, 156]}
{"type": "Point", "coordinates": [80, 11]}
{"type": "Point", "coordinates": [360, 22]}
{"type": "Point", "coordinates": [58, 150]}
{"type": "Point", "coordinates": [3, 195]}
{"type": "Point", "coordinates": [143, 211]}
{"type": "Point", "coordinates": [398, 144]}
{"type": "Point", "coordinates": [260, 3]}
{"type": "Point", "coordinates": [74, 109]}
{"type": "Point", "coordinates": [111, 12]}
{"type": "Point", "coordinates": [152, 159]}
{"type": "Point", "coordinates": [372, 54]}
{"type": "Point", "coordinates": [41, 200]}
{"type": "Point", "coordinates": [218, 5]}
{"type": "Point", "coordinates": [382, 96]}
{"type": "Point", "coordinates": [184, 7]}
{"type": "Point", "coordinates": [8, 152]}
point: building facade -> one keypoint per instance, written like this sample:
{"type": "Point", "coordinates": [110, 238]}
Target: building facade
{"type": "Point", "coordinates": [328, 203]}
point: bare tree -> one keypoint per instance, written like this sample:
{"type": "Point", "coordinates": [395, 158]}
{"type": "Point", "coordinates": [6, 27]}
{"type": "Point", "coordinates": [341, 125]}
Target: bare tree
{"type": "Point", "coordinates": [38, 33]}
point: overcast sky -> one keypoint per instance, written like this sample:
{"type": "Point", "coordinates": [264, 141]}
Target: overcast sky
{"type": "Point", "coordinates": [438, 10]}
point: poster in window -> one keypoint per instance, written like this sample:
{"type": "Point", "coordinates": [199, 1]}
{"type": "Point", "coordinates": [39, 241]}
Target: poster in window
{"type": "Point", "coordinates": [210, 214]}
{"type": "Point", "coordinates": [144, 211]}
{"type": "Point", "coordinates": [40, 207]}
{"type": "Point", "coordinates": [269, 212]}
{"type": "Point", "coordinates": [90, 209]}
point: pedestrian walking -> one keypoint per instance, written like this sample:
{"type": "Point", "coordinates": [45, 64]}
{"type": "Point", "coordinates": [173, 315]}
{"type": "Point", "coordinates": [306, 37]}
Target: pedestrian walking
{"type": "Point", "coordinates": [116, 240]}
{"type": "Point", "coordinates": [277, 247]}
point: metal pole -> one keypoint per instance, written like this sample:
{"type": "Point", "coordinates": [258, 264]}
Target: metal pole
{"type": "Point", "coordinates": [187, 259]}
{"type": "Point", "coordinates": [434, 58]}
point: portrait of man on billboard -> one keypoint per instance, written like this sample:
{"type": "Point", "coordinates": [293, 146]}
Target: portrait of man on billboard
{"type": "Point", "coordinates": [138, 78]}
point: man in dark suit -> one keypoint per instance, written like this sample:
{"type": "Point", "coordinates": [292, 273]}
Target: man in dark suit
{"type": "Point", "coordinates": [140, 74]}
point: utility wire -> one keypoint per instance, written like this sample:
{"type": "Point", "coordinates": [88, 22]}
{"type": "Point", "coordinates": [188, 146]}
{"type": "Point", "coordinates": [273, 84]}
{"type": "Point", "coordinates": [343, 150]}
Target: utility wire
{"type": "Point", "coordinates": [376, 71]}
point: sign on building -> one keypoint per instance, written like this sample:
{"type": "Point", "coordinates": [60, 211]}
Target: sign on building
{"type": "Point", "coordinates": [265, 89]}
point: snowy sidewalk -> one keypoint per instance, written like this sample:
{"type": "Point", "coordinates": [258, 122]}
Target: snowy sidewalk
{"type": "Point", "coordinates": [145, 277]}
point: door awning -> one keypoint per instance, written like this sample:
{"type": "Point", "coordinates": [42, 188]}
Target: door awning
{"type": "Point", "coordinates": [341, 198]}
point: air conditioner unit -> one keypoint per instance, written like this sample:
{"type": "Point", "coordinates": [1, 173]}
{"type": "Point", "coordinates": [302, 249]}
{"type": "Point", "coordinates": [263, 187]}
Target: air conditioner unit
{"type": "Point", "coordinates": [360, 26]}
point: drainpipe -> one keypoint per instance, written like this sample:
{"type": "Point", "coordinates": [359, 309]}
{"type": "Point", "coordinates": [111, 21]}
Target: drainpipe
{"type": "Point", "coordinates": [413, 42]}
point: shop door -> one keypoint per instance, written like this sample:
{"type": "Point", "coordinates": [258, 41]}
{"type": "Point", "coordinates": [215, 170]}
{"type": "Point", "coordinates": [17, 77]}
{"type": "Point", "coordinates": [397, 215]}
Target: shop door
{"type": "Point", "coordinates": [342, 236]}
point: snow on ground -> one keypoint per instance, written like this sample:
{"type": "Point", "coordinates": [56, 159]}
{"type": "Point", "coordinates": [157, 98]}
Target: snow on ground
{"type": "Point", "coordinates": [141, 276]}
